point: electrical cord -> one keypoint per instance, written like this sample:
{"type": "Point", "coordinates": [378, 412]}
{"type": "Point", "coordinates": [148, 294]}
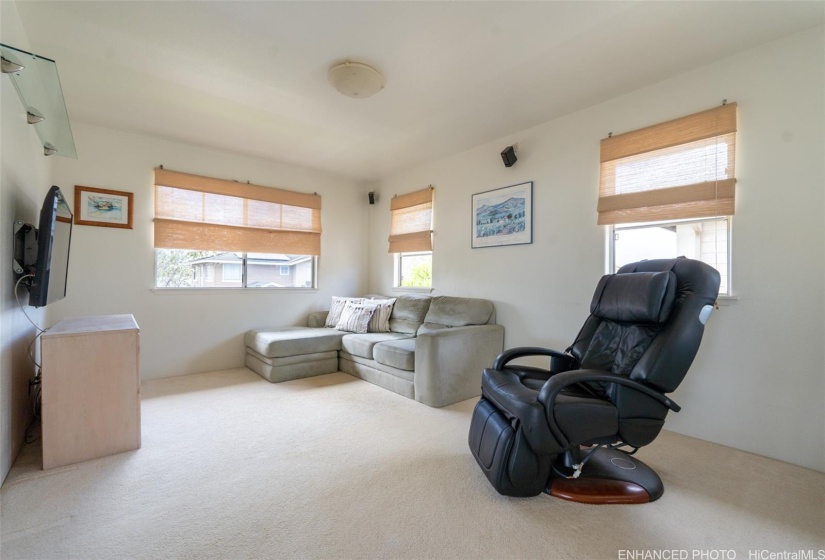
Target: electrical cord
{"type": "Point", "coordinates": [39, 330]}
{"type": "Point", "coordinates": [17, 297]}
{"type": "Point", "coordinates": [34, 384]}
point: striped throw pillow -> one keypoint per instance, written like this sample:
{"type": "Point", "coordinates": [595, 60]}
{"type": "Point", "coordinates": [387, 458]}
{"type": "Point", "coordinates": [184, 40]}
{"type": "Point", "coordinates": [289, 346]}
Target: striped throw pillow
{"type": "Point", "coordinates": [355, 317]}
{"type": "Point", "coordinates": [380, 321]}
{"type": "Point", "coordinates": [337, 307]}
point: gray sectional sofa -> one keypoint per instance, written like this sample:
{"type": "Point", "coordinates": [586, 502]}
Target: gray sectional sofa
{"type": "Point", "coordinates": [434, 353]}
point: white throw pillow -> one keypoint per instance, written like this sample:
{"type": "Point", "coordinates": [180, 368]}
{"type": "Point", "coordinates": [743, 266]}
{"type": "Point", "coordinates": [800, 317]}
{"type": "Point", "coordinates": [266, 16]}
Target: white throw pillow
{"type": "Point", "coordinates": [337, 307]}
{"type": "Point", "coordinates": [380, 321]}
{"type": "Point", "coordinates": [355, 317]}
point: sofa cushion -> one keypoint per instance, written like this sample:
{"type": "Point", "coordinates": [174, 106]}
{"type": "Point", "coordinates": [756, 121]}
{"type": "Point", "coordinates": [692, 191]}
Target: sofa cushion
{"type": "Point", "coordinates": [408, 313]}
{"type": "Point", "coordinates": [458, 311]}
{"type": "Point", "coordinates": [362, 344]}
{"type": "Point", "coordinates": [430, 327]}
{"type": "Point", "coordinates": [280, 342]}
{"type": "Point", "coordinates": [396, 353]}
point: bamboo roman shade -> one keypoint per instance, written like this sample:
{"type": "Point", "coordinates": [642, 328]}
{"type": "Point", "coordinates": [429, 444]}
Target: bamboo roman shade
{"type": "Point", "coordinates": [411, 222]}
{"type": "Point", "coordinates": [206, 214]}
{"type": "Point", "coordinates": [682, 168]}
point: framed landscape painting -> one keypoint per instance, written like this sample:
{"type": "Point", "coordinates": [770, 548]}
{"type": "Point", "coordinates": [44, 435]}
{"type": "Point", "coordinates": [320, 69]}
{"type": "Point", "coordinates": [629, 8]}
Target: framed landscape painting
{"type": "Point", "coordinates": [102, 207]}
{"type": "Point", "coordinates": [503, 216]}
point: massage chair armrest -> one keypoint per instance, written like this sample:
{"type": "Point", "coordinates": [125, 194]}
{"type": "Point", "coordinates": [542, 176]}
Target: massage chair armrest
{"type": "Point", "coordinates": [515, 401]}
{"type": "Point", "coordinates": [559, 381]}
{"type": "Point", "coordinates": [554, 385]}
{"type": "Point", "coordinates": [559, 361]}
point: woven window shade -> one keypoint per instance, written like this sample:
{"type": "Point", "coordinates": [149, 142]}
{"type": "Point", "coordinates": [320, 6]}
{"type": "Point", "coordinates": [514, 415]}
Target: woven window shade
{"type": "Point", "coordinates": [683, 168]}
{"type": "Point", "coordinates": [206, 214]}
{"type": "Point", "coordinates": [411, 222]}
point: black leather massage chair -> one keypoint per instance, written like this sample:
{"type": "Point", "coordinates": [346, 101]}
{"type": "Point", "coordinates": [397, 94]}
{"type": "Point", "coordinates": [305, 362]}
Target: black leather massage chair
{"type": "Point", "coordinates": [560, 430]}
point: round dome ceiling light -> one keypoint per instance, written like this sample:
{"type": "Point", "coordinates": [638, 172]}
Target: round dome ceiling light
{"type": "Point", "coordinates": [356, 79]}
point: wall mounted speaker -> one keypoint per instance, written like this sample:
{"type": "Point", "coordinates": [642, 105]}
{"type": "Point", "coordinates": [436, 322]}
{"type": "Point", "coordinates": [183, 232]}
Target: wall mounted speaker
{"type": "Point", "coordinates": [371, 196]}
{"type": "Point", "coordinates": [508, 156]}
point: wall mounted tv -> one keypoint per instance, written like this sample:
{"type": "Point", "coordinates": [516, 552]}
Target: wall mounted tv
{"type": "Point", "coordinates": [42, 253]}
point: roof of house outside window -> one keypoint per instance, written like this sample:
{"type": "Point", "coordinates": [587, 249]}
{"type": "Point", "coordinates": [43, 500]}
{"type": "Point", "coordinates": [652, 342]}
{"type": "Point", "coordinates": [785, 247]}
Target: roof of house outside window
{"type": "Point", "coordinates": [255, 258]}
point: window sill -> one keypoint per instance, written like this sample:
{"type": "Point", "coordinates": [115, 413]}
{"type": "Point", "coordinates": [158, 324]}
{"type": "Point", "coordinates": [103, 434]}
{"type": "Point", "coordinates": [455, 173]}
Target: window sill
{"type": "Point", "coordinates": [411, 290]}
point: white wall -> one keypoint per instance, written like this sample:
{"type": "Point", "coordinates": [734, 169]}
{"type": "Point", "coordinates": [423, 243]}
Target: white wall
{"type": "Point", "coordinates": [24, 180]}
{"type": "Point", "coordinates": [112, 270]}
{"type": "Point", "coordinates": [757, 383]}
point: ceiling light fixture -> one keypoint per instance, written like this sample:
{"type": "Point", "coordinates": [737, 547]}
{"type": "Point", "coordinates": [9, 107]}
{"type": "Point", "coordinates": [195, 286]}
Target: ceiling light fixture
{"type": "Point", "coordinates": [356, 79]}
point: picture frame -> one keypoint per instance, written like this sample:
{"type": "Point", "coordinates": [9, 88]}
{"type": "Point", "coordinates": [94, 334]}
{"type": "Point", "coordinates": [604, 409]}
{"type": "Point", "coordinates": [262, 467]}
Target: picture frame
{"type": "Point", "coordinates": [503, 216]}
{"type": "Point", "coordinates": [103, 207]}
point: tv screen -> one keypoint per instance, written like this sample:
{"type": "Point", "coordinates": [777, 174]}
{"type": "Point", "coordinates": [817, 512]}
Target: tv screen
{"type": "Point", "coordinates": [54, 236]}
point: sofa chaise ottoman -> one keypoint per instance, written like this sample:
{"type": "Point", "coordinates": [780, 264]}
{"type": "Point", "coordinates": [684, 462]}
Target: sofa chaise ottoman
{"type": "Point", "coordinates": [434, 352]}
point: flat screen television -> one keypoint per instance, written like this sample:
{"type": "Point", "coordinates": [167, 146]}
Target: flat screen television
{"type": "Point", "coordinates": [54, 236]}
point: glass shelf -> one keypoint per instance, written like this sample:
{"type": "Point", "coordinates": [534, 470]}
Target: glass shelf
{"type": "Point", "coordinates": [38, 86]}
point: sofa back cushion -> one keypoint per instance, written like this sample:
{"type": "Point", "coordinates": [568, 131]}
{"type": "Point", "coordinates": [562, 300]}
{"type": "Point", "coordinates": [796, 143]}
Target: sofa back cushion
{"type": "Point", "coordinates": [408, 313]}
{"type": "Point", "coordinates": [459, 312]}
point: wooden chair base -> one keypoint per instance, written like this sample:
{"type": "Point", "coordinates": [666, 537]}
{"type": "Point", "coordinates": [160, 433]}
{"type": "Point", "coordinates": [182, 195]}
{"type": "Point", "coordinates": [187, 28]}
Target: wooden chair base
{"type": "Point", "coordinates": [610, 477]}
{"type": "Point", "coordinates": [596, 491]}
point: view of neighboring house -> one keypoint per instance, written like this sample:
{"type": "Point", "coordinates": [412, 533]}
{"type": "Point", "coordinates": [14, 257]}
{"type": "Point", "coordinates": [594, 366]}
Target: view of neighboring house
{"type": "Point", "coordinates": [225, 270]}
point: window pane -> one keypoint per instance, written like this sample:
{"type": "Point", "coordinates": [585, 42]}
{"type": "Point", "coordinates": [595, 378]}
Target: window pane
{"type": "Point", "coordinates": [269, 270]}
{"type": "Point", "coordinates": [179, 268]}
{"type": "Point", "coordinates": [705, 240]}
{"type": "Point", "coordinates": [416, 270]}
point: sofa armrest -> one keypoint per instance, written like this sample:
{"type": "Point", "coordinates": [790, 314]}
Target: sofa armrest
{"type": "Point", "coordinates": [449, 362]}
{"type": "Point", "coordinates": [317, 319]}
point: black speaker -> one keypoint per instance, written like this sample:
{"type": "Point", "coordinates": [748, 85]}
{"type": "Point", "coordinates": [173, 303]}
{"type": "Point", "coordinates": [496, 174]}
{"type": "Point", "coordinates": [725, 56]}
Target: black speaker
{"type": "Point", "coordinates": [372, 197]}
{"type": "Point", "coordinates": [508, 156]}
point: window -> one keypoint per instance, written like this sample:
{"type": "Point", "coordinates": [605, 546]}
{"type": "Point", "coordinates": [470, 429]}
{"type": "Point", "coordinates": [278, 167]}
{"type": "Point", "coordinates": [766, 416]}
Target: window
{"type": "Point", "coordinates": [231, 272]}
{"type": "Point", "coordinates": [284, 270]}
{"type": "Point", "coordinates": [249, 233]}
{"type": "Point", "coordinates": [414, 270]}
{"type": "Point", "coordinates": [180, 268]}
{"type": "Point", "coordinates": [411, 238]}
{"type": "Point", "coordinates": [704, 240]}
{"type": "Point", "coordinates": [669, 190]}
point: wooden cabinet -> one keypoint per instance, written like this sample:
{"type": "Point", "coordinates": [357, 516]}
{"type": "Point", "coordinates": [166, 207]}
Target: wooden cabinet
{"type": "Point", "coordinates": [90, 388]}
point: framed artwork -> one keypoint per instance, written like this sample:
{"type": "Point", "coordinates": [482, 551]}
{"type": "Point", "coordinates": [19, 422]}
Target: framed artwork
{"type": "Point", "coordinates": [102, 207]}
{"type": "Point", "coordinates": [503, 216]}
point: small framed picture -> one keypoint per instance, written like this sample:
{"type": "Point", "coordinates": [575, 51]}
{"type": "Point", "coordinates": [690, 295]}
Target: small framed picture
{"type": "Point", "coordinates": [503, 216]}
{"type": "Point", "coordinates": [102, 207]}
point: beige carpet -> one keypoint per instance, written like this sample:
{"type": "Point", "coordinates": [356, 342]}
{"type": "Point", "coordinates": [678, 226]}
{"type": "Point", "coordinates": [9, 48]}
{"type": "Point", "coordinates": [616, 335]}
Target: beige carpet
{"type": "Point", "coordinates": [333, 467]}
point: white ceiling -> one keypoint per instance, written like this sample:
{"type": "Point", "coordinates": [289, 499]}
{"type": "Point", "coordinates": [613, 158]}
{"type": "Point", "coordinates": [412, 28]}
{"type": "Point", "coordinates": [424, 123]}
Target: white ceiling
{"type": "Point", "coordinates": [251, 77]}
